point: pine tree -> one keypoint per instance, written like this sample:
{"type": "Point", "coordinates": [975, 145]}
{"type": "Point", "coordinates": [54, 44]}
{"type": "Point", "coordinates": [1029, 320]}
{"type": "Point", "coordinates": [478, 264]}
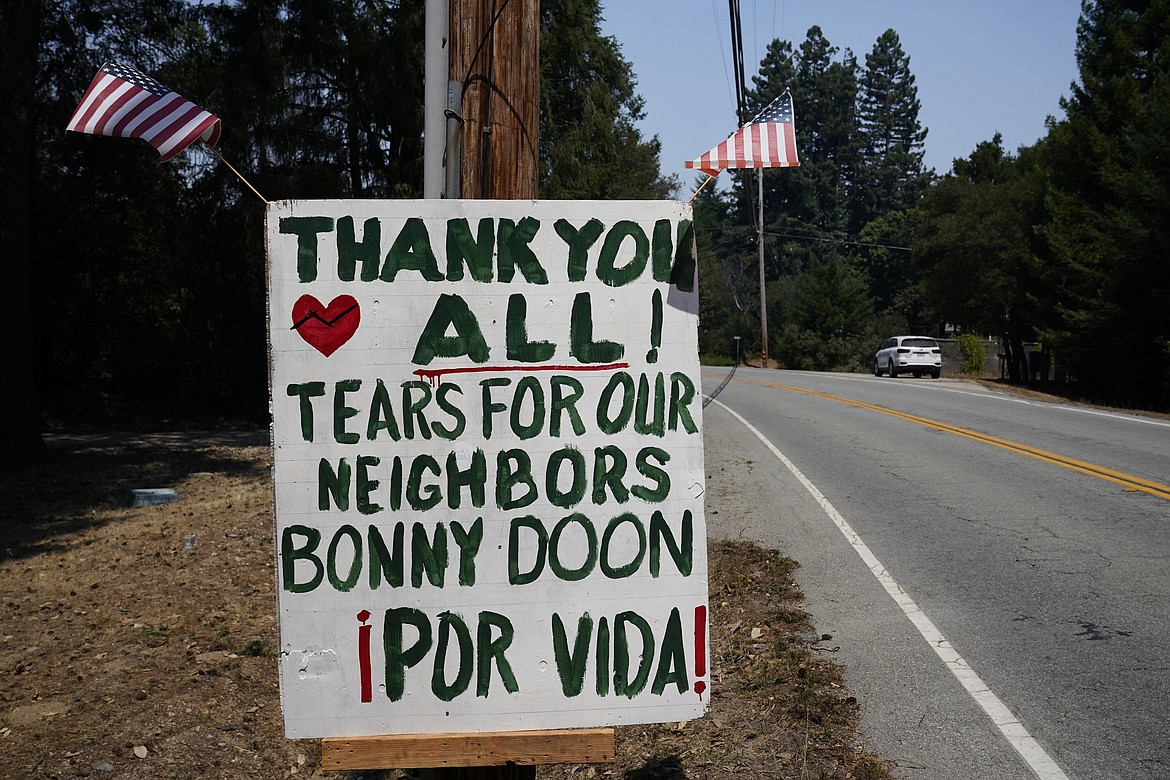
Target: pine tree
{"type": "Point", "coordinates": [891, 176]}
{"type": "Point", "coordinates": [1111, 194]}
{"type": "Point", "coordinates": [590, 145]}
{"type": "Point", "coordinates": [812, 199]}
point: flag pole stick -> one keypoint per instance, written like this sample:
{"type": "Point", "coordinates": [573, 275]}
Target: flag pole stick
{"type": "Point", "coordinates": [233, 170]}
{"type": "Point", "coordinates": [707, 181]}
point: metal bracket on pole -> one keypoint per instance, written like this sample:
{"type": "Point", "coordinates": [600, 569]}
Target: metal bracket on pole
{"type": "Point", "coordinates": [454, 149]}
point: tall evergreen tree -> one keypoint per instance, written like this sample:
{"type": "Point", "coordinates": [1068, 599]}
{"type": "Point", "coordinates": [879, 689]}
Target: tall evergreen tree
{"type": "Point", "coordinates": [892, 176]}
{"type": "Point", "coordinates": [590, 145]}
{"type": "Point", "coordinates": [1109, 233]}
{"type": "Point", "coordinates": [812, 199]}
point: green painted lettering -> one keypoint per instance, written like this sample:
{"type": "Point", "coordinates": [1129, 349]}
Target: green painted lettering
{"type": "Point", "coordinates": [625, 570]}
{"type": "Point", "coordinates": [514, 467]}
{"type": "Point", "coordinates": [386, 562]}
{"type": "Point", "coordinates": [399, 658]}
{"type": "Point", "coordinates": [493, 650]}
{"type": "Point", "coordinates": [682, 394]}
{"type": "Point", "coordinates": [554, 556]}
{"type": "Point", "coordinates": [428, 556]}
{"type": "Point", "coordinates": [290, 554]}
{"type": "Point", "coordinates": [350, 251]}
{"type": "Point", "coordinates": [306, 230]}
{"type": "Point", "coordinates": [581, 343]}
{"type": "Point", "coordinates": [607, 270]}
{"type": "Point", "coordinates": [515, 576]}
{"type": "Point", "coordinates": [411, 251]}
{"type": "Point", "coordinates": [365, 485]}
{"type": "Point", "coordinates": [661, 478]}
{"type": "Point", "coordinates": [346, 583]}
{"type": "Point", "coordinates": [623, 683]}
{"type": "Point", "coordinates": [469, 542]}
{"type": "Point", "coordinates": [578, 481]}
{"type": "Point", "coordinates": [514, 251]}
{"type": "Point", "coordinates": [519, 348]}
{"type": "Point", "coordinates": [473, 477]}
{"type": "Point", "coordinates": [571, 665]}
{"type": "Point", "coordinates": [476, 252]}
{"type": "Point", "coordinates": [672, 660]}
{"type": "Point", "coordinates": [579, 241]}
{"type": "Point", "coordinates": [306, 392]}
{"type": "Point", "coordinates": [443, 690]}
{"type": "Point", "coordinates": [620, 385]}
{"type": "Point", "coordinates": [609, 470]}
{"type": "Point", "coordinates": [451, 311]}
{"type": "Point", "coordinates": [528, 387]}
{"type": "Point", "coordinates": [333, 483]}
{"type": "Point", "coordinates": [565, 403]}
{"type": "Point", "coordinates": [682, 553]}
{"type": "Point", "coordinates": [382, 414]}
{"type": "Point", "coordinates": [341, 412]}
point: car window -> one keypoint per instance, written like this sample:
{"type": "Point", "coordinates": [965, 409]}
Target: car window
{"type": "Point", "coordinates": [919, 343]}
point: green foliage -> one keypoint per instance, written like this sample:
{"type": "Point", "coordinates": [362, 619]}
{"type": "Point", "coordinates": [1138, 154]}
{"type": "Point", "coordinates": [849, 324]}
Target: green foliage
{"type": "Point", "coordinates": [833, 281]}
{"type": "Point", "coordinates": [979, 248]}
{"type": "Point", "coordinates": [1109, 281]}
{"type": "Point", "coordinates": [590, 146]}
{"type": "Point", "coordinates": [972, 354]}
{"type": "Point", "coordinates": [155, 274]}
{"type": "Point", "coordinates": [891, 177]}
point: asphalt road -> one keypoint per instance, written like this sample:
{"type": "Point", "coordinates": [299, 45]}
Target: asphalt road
{"type": "Point", "coordinates": [994, 572]}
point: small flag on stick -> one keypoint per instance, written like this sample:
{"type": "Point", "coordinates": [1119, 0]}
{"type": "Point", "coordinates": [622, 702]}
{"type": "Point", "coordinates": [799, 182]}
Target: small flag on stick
{"type": "Point", "coordinates": [125, 103]}
{"type": "Point", "coordinates": [768, 141]}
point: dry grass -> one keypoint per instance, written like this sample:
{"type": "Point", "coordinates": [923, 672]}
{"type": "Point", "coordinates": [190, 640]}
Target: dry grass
{"type": "Point", "coordinates": [139, 642]}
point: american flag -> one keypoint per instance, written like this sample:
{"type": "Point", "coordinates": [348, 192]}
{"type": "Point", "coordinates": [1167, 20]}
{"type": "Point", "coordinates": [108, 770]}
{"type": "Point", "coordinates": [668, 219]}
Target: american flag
{"type": "Point", "coordinates": [125, 103]}
{"type": "Point", "coordinates": [768, 141]}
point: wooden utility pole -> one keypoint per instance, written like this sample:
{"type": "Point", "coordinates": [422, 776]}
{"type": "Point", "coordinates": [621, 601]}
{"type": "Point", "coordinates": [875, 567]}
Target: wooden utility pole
{"type": "Point", "coordinates": [495, 55]}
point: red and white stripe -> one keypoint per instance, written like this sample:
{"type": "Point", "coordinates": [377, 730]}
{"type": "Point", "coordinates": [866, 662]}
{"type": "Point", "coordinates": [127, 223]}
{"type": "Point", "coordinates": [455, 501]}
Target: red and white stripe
{"type": "Point", "coordinates": [113, 106]}
{"type": "Point", "coordinates": [764, 145]}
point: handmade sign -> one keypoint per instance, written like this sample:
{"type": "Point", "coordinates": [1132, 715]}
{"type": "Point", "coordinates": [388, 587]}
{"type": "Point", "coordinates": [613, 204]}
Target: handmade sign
{"type": "Point", "coordinates": [489, 465]}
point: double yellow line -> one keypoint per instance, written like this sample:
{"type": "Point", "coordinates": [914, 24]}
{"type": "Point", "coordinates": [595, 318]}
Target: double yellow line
{"type": "Point", "coordinates": [1127, 481]}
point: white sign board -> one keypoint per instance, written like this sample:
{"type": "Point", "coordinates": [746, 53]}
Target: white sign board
{"type": "Point", "coordinates": [489, 465]}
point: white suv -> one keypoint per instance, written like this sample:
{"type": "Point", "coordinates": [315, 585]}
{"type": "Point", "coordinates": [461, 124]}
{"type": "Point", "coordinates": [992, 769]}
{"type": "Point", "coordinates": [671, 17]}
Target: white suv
{"type": "Point", "coordinates": [915, 355]}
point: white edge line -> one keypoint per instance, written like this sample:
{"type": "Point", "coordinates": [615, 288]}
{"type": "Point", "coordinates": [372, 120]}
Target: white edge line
{"type": "Point", "coordinates": [1025, 744]}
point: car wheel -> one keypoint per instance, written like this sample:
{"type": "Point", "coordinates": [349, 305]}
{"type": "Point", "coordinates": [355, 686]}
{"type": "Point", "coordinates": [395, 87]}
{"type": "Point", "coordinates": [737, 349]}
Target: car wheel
{"type": "Point", "coordinates": [893, 371]}
{"type": "Point", "coordinates": [935, 374]}
{"type": "Point", "coordinates": [877, 368]}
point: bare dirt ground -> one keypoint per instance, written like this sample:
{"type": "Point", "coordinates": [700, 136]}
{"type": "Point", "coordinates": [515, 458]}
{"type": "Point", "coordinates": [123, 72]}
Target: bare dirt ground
{"type": "Point", "coordinates": [142, 642]}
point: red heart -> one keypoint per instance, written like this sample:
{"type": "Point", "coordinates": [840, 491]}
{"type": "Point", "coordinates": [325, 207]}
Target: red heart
{"type": "Point", "coordinates": [326, 328]}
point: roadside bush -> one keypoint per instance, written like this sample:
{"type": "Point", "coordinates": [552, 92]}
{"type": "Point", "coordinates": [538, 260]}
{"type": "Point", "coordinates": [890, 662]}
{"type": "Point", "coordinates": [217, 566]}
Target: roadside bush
{"type": "Point", "coordinates": [972, 353]}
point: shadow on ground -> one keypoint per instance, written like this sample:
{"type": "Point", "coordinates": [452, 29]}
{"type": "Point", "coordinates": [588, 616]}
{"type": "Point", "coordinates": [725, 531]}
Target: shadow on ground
{"type": "Point", "coordinates": [82, 473]}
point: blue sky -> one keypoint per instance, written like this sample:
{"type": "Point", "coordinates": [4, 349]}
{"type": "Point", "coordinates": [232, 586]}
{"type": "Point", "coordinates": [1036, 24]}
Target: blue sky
{"type": "Point", "coordinates": [980, 67]}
